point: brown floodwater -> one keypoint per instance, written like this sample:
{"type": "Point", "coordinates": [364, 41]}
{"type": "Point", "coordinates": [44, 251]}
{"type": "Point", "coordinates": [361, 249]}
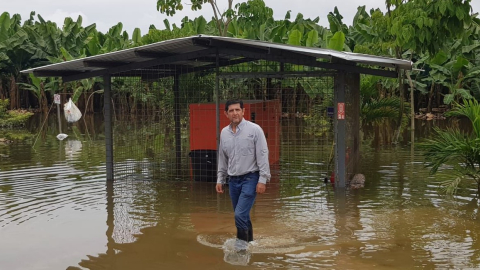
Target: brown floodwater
{"type": "Point", "coordinates": [58, 212]}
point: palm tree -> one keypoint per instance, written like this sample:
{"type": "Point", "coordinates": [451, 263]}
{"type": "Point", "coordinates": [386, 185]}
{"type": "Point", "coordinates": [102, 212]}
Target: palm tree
{"type": "Point", "coordinates": [455, 147]}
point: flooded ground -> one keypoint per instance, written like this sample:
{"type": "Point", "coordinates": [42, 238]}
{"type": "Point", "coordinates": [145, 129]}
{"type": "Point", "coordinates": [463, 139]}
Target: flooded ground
{"type": "Point", "coordinates": [57, 212]}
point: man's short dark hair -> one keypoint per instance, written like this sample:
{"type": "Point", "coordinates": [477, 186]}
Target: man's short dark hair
{"type": "Point", "coordinates": [233, 101]}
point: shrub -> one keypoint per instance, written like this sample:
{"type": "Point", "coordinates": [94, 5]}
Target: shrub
{"type": "Point", "coordinates": [12, 118]}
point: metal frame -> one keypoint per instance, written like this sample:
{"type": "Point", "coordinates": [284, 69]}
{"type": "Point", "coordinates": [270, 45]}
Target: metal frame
{"type": "Point", "coordinates": [208, 53]}
{"type": "Point", "coordinates": [107, 84]}
{"type": "Point", "coordinates": [340, 131]}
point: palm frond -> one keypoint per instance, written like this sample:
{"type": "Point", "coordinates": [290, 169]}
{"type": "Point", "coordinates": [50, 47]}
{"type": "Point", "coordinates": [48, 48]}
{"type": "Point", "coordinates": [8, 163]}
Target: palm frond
{"type": "Point", "coordinates": [451, 146]}
{"type": "Point", "coordinates": [451, 186]}
{"type": "Point", "coordinates": [377, 110]}
{"type": "Point", "coordinates": [470, 109]}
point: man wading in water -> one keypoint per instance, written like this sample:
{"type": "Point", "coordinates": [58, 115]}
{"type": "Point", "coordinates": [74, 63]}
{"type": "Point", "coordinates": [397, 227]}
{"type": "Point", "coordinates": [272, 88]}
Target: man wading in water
{"type": "Point", "coordinates": [243, 157]}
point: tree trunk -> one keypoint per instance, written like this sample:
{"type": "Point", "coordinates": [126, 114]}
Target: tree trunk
{"type": "Point", "coordinates": [26, 94]}
{"type": "Point", "coordinates": [13, 93]}
{"type": "Point", "coordinates": [402, 105]}
{"type": "Point", "coordinates": [439, 95]}
{"type": "Point", "coordinates": [430, 97]}
{"type": "Point", "coordinates": [412, 109]}
{"type": "Point", "coordinates": [43, 101]}
{"type": "Point", "coordinates": [2, 96]}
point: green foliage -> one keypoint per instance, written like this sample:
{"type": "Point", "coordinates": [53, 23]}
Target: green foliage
{"type": "Point", "coordinates": [317, 123]}
{"type": "Point", "coordinates": [312, 38]}
{"type": "Point", "coordinates": [373, 107]}
{"type": "Point", "coordinates": [441, 36]}
{"type": "Point", "coordinates": [169, 7]}
{"type": "Point", "coordinates": [376, 110]}
{"type": "Point", "coordinates": [337, 41]}
{"type": "Point", "coordinates": [295, 37]}
{"type": "Point", "coordinates": [222, 19]}
{"type": "Point", "coordinates": [415, 24]}
{"type": "Point", "coordinates": [15, 135]}
{"type": "Point", "coordinates": [470, 109]}
{"type": "Point", "coordinates": [155, 35]}
{"type": "Point", "coordinates": [12, 118]}
{"type": "Point", "coordinates": [462, 150]}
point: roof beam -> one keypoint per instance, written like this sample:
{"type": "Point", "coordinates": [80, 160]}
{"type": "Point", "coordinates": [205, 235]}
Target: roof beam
{"type": "Point", "coordinates": [283, 56]}
{"type": "Point", "coordinates": [276, 74]}
{"type": "Point", "coordinates": [53, 73]}
{"type": "Point", "coordinates": [224, 64]}
{"type": "Point", "coordinates": [140, 65]}
{"type": "Point", "coordinates": [300, 59]}
{"type": "Point", "coordinates": [228, 45]}
{"type": "Point", "coordinates": [152, 54]}
{"type": "Point", "coordinates": [103, 64]}
{"type": "Point", "coordinates": [151, 73]}
{"type": "Point", "coordinates": [143, 73]}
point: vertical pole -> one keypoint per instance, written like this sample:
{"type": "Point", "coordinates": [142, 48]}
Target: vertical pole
{"type": "Point", "coordinates": [110, 219]}
{"type": "Point", "coordinates": [354, 119]}
{"type": "Point", "coordinates": [340, 133]}
{"type": "Point", "coordinates": [412, 114]}
{"type": "Point", "coordinates": [176, 116]}
{"type": "Point", "coordinates": [59, 121]}
{"type": "Point", "coordinates": [282, 69]}
{"type": "Point", "coordinates": [107, 107]}
{"type": "Point", "coordinates": [217, 98]}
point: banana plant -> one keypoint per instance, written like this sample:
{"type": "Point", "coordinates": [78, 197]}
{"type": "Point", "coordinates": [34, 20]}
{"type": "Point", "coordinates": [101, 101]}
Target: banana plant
{"type": "Point", "coordinates": [457, 76]}
{"type": "Point", "coordinates": [339, 30]}
{"type": "Point", "coordinates": [17, 52]}
{"type": "Point", "coordinates": [114, 39]}
{"type": "Point", "coordinates": [39, 86]}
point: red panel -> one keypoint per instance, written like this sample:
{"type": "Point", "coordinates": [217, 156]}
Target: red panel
{"type": "Point", "coordinates": [203, 124]}
{"type": "Point", "coordinates": [267, 115]}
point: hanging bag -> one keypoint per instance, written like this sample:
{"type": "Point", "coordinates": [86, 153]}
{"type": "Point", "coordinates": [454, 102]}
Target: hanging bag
{"type": "Point", "coordinates": [72, 113]}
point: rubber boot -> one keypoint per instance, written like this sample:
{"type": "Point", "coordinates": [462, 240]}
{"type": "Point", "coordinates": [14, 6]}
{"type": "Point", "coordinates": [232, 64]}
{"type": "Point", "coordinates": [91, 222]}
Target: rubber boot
{"type": "Point", "coordinates": [242, 234]}
{"type": "Point", "coordinates": [250, 233]}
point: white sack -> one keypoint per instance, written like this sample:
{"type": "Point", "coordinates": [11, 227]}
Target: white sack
{"type": "Point", "coordinates": [72, 113]}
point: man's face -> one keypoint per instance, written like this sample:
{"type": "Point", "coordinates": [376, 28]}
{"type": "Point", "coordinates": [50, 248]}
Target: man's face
{"type": "Point", "coordinates": [235, 113]}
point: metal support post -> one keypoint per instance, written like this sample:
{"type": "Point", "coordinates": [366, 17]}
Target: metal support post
{"type": "Point", "coordinates": [107, 107]}
{"type": "Point", "coordinates": [176, 116]}
{"type": "Point", "coordinates": [340, 130]}
{"type": "Point", "coordinates": [217, 98]}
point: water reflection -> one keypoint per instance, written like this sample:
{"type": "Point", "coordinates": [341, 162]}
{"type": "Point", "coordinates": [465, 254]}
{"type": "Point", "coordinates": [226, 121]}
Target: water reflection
{"type": "Point", "coordinates": [56, 208]}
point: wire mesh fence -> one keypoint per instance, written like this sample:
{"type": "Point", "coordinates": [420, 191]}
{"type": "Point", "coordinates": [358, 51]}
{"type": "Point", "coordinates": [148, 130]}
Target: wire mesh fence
{"type": "Point", "coordinates": [165, 123]}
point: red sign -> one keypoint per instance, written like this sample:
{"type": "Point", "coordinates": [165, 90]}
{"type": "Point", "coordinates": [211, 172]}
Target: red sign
{"type": "Point", "coordinates": [341, 111]}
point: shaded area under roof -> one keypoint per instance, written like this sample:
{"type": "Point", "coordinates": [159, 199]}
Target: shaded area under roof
{"type": "Point", "coordinates": [199, 53]}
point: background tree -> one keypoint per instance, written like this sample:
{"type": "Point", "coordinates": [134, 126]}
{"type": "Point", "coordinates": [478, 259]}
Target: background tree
{"type": "Point", "coordinates": [222, 18]}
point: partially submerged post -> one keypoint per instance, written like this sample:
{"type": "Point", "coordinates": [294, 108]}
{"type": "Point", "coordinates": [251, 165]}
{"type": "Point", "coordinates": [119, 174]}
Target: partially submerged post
{"type": "Point", "coordinates": [56, 100]}
{"type": "Point", "coordinates": [107, 107]}
{"type": "Point", "coordinates": [340, 129]}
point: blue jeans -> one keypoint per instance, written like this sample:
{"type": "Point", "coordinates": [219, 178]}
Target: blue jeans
{"type": "Point", "coordinates": [243, 191]}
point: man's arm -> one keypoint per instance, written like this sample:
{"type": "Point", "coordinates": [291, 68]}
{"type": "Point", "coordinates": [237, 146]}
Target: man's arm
{"type": "Point", "coordinates": [221, 168]}
{"type": "Point", "coordinates": [261, 152]}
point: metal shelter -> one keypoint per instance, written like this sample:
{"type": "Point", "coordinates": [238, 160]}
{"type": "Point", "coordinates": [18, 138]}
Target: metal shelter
{"type": "Point", "coordinates": [209, 54]}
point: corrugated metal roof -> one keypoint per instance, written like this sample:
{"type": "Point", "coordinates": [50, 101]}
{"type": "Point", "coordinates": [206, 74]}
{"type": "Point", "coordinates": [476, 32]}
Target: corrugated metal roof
{"type": "Point", "coordinates": [327, 54]}
{"type": "Point", "coordinates": [198, 51]}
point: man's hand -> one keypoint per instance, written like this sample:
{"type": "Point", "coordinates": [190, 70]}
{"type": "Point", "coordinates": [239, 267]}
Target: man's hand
{"type": "Point", "coordinates": [219, 188]}
{"type": "Point", "coordinates": [261, 188]}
